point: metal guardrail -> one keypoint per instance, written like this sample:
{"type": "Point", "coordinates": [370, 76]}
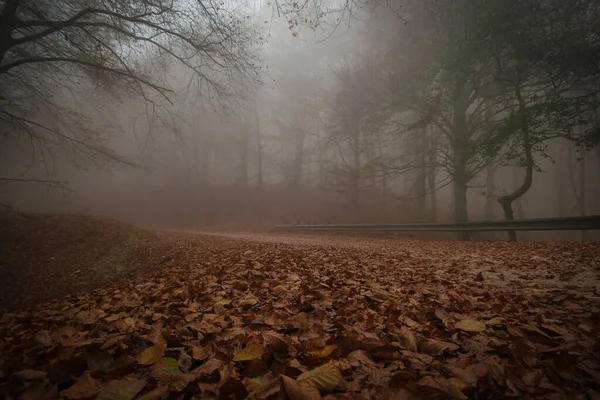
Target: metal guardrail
{"type": "Point", "coordinates": [591, 222]}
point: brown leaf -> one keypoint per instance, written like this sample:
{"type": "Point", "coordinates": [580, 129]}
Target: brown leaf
{"type": "Point", "coordinates": [152, 354]}
{"type": "Point", "coordinates": [324, 352]}
{"type": "Point", "coordinates": [358, 358]}
{"type": "Point", "coordinates": [84, 387]}
{"type": "Point", "coordinates": [470, 325]}
{"type": "Point", "coordinates": [325, 377]}
{"type": "Point", "coordinates": [267, 390]}
{"type": "Point", "coordinates": [408, 339]}
{"type": "Point", "coordinates": [253, 351]}
{"type": "Point", "coordinates": [201, 352]}
{"type": "Point", "coordinates": [124, 389]}
{"type": "Point", "coordinates": [297, 390]}
{"type": "Point", "coordinates": [30, 374]}
{"type": "Point", "coordinates": [208, 367]}
{"type": "Point", "coordinates": [44, 338]}
{"type": "Point", "coordinates": [496, 369]}
{"type": "Point", "coordinates": [159, 393]}
{"type": "Point", "coordinates": [154, 335]}
{"type": "Point", "coordinates": [436, 347]}
{"type": "Point", "coordinates": [443, 385]}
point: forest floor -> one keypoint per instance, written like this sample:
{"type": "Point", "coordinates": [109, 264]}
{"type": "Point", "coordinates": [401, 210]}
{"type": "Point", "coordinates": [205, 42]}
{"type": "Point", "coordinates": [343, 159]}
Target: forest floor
{"type": "Point", "coordinates": [184, 315]}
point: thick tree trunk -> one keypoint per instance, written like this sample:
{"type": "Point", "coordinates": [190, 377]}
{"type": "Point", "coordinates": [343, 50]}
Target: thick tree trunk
{"type": "Point", "coordinates": [8, 22]}
{"type": "Point", "coordinates": [582, 194]}
{"type": "Point", "coordinates": [490, 173]}
{"type": "Point", "coordinates": [558, 180]}
{"type": "Point", "coordinates": [506, 201]}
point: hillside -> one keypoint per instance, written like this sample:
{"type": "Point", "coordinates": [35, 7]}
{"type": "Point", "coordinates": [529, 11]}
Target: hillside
{"type": "Point", "coordinates": [43, 257]}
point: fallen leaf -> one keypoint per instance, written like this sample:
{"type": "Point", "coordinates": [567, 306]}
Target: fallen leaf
{"type": "Point", "coordinates": [297, 390]}
{"type": "Point", "coordinates": [84, 387]}
{"type": "Point", "coordinates": [443, 385]}
{"type": "Point", "coordinates": [436, 347]}
{"type": "Point", "coordinates": [201, 352]}
{"type": "Point", "coordinates": [324, 352]}
{"type": "Point", "coordinates": [152, 354]}
{"type": "Point", "coordinates": [324, 378]}
{"type": "Point", "coordinates": [253, 351]}
{"type": "Point", "coordinates": [408, 339]}
{"type": "Point", "coordinates": [159, 393]}
{"type": "Point", "coordinates": [470, 325]}
{"type": "Point", "coordinates": [124, 389]}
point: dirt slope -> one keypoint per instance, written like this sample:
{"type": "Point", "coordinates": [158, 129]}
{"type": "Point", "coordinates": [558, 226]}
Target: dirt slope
{"type": "Point", "coordinates": [43, 257]}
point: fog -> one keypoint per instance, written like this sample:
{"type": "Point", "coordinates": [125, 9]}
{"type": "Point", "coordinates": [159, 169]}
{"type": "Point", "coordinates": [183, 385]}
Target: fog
{"type": "Point", "coordinates": [350, 118]}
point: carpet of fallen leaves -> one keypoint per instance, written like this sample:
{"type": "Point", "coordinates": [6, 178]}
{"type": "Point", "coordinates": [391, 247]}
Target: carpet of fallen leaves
{"type": "Point", "coordinates": [300, 317]}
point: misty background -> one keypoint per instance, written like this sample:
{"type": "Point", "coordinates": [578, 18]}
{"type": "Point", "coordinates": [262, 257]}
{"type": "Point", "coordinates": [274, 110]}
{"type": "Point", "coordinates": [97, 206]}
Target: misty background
{"type": "Point", "coordinates": [310, 113]}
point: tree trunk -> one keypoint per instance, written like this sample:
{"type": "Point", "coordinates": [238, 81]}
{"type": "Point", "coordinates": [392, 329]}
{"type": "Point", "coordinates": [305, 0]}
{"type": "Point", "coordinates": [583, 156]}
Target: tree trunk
{"type": "Point", "coordinates": [243, 162]}
{"type": "Point", "coordinates": [8, 23]}
{"type": "Point", "coordinates": [579, 189]}
{"type": "Point", "coordinates": [355, 188]}
{"type": "Point", "coordinates": [298, 160]}
{"type": "Point", "coordinates": [582, 194]}
{"type": "Point", "coordinates": [490, 173]}
{"type": "Point", "coordinates": [259, 176]}
{"type": "Point", "coordinates": [460, 149]}
{"type": "Point", "coordinates": [384, 187]}
{"type": "Point", "coordinates": [506, 201]}
{"type": "Point", "coordinates": [422, 176]}
{"type": "Point", "coordinates": [558, 180]}
{"type": "Point", "coordinates": [431, 170]}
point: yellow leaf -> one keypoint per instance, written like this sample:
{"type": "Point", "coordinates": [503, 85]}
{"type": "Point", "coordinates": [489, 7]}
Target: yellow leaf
{"type": "Point", "coordinates": [585, 327]}
{"type": "Point", "coordinates": [303, 320]}
{"type": "Point", "coordinates": [253, 351]}
{"type": "Point", "coordinates": [324, 378]}
{"type": "Point", "coordinates": [324, 352]}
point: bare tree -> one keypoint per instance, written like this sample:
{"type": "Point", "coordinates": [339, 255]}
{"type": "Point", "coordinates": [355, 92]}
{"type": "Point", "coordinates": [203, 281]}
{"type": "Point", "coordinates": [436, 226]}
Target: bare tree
{"type": "Point", "coordinates": [119, 47]}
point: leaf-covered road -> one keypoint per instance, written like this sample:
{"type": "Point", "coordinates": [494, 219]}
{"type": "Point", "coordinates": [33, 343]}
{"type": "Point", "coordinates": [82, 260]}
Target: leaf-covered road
{"type": "Point", "coordinates": [301, 317]}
